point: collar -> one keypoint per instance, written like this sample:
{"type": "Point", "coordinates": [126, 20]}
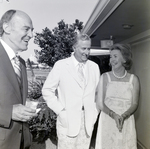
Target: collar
{"type": "Point", "coordinates": [76, 63]}
{"type": "Point", "coordinates": [11, 54]}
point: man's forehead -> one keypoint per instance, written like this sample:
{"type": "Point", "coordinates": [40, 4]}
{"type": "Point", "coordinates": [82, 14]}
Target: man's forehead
{"type": "Point", "coordinates": [22, 21]}
{"type": "Point", "coordinates": [83, 42]}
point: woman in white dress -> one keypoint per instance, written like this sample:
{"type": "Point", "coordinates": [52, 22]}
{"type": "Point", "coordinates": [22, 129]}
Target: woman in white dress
{"type": "Point", "coordinates": [118, 100]}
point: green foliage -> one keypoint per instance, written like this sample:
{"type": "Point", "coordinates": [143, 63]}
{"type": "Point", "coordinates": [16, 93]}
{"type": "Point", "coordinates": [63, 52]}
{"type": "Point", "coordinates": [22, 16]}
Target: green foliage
{"type": "Point", "coordinates": [56, 44]}
{"type": "Point", "coordinates": [43, 126]}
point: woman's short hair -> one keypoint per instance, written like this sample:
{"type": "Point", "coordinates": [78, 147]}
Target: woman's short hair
{"type": "Point", "coordinates": [125, 50]}
{"type": "Point", "coordinates": [5, 19]}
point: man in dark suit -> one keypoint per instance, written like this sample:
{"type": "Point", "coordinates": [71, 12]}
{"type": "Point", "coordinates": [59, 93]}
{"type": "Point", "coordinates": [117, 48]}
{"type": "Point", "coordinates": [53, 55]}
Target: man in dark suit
{"type": "Point", "coordinates": [16, 30]}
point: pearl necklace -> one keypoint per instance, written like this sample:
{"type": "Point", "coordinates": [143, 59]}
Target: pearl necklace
{"type": "Point", "coordinates": [121, 76]}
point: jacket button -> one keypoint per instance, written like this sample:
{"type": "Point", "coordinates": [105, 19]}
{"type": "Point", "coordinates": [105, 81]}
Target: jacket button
{"type": "Point", "coordinates": [20, 131]}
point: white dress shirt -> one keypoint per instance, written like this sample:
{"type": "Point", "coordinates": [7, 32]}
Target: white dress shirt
{"type": "Point", "coordinates": [76, 63]}
{"type": "Point", "coordinates": [11, 54]}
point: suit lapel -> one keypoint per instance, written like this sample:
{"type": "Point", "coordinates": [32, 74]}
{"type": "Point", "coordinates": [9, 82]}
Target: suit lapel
{"type": "Point", "coordinates": [7, 68]}
{"type": "Point", "coordinates": [89, 77]}
{"type": "Point", "coordinates": [24, 81]}
{"type": "Point", "coordinates": [87, 72]}
{"type": "Point", "coordinates": [72, 70]}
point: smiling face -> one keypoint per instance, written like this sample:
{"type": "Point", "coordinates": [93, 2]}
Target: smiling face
{"type": "Point", "coordinates": [82, 50]}
{"type": "Point", "coordinates": [116, 59]}
{"type": "Point", "coordinates": [20, 30]}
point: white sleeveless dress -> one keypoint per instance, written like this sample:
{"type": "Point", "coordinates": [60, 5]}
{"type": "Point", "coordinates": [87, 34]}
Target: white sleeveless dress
{"type": "Point", "coordinates": [118, 98]}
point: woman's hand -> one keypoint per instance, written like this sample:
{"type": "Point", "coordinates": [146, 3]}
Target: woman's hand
{"type": "Point", "coordinates": [123, 117]}
{"type": "Point", "coordinates": [118, 120]}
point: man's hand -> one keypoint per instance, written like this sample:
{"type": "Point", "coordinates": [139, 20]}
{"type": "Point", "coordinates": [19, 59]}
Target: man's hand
{"type": "Point", "coordinates": [22, 113]}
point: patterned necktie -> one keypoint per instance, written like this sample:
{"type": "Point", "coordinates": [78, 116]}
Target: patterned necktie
{"type": "Point", "coordinates": [81, 74]}
{"type": "Point", "coordinates": [17, 68]}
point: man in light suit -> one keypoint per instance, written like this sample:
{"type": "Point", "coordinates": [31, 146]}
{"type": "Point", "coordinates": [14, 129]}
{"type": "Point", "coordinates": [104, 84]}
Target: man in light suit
{"type": "Point", "coordinates": [15, 31]}
{"type": "Point", "coordinates": [75, 103]}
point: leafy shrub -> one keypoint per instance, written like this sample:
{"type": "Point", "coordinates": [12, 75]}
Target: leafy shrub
{"type": "Point", "coordinates": [34, 90]}
{"type": "Point", "coordinates": [43, 126]}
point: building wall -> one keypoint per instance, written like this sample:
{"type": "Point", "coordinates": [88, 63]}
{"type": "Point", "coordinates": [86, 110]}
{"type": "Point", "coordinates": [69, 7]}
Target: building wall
{"type": "Point", "coordinates": [141, 67]}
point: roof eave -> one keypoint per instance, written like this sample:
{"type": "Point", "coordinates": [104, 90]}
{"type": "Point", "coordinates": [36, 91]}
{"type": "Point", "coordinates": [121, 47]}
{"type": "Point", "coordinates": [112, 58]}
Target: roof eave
{"type": "Point", "coordinates": [101, 12]}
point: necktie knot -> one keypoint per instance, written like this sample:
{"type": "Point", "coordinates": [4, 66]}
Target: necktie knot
{"type": "Point", "coordinates": [16, 59]}
{"type": "Point", "coordinates": [80, 68]}
{"type": "Point", "coordinates": [81, 65]}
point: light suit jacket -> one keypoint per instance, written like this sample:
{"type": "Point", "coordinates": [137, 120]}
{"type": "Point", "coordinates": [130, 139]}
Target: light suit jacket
{"type": "Point", "coordinates": [71, 95]}
{"type": "Point", "coordinates": [10, 94]}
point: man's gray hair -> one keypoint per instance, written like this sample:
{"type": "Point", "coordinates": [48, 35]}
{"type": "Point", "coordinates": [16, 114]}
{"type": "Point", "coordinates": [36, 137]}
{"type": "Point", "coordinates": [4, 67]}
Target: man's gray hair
{"type": "Point", "coordinates": [5, 19]}
{"type": "Point", "coordinates": [82, 37]}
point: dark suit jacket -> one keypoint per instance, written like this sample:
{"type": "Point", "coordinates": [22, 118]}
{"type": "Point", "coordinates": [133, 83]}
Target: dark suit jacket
{"type": "Point", "coordinates": [10, 94]}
